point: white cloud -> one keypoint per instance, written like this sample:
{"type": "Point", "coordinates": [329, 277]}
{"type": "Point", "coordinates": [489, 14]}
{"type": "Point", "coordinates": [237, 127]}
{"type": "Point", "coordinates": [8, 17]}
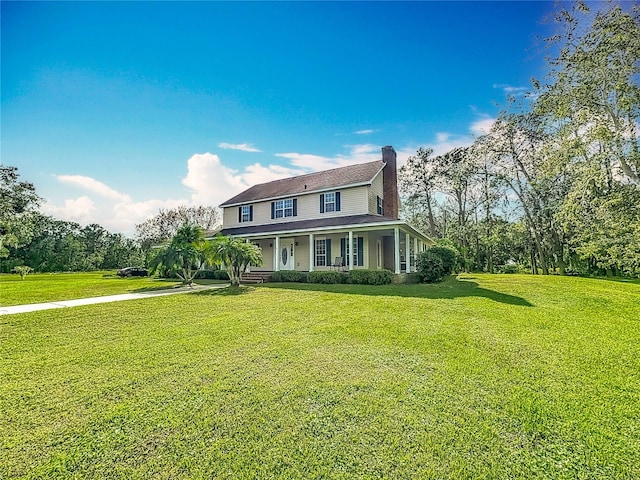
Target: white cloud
{"type": "Point", "coordinates": [93, 185]}
{"type": "Point", "coordinates": [210, 181]}
{"type": "Point", "coordinates": [113, 215]}
{"type": "Point", "coordinates": [482, 126]}
{"type": "Point", "coordinates": [510, 90]}
{"type": "Point", "coordinates": [245, 147]}
{"type": "Point", "coordinates": [358, 154]}
{"type": "Point", "coordinates": [446, 141]}
{"type": "Point", "coordinates": [122, 217]}
{"type": "Point", "coordinates": [306, 160]}
{"type": "Point", "coordinates": [364, 132]}
{"type": "Point", "coordinates": [258, 173]}
{"type": "Point", "coordinates": [78, 209]}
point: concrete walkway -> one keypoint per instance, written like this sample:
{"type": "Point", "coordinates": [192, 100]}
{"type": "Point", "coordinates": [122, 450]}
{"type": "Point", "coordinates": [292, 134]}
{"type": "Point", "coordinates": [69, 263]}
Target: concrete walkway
{"type": "Point", "coordinates": [34, 307]}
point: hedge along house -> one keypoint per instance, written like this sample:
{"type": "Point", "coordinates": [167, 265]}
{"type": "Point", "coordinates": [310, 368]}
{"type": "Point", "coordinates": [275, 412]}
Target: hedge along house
{"type": "Point", "coordinates": [343, 218]}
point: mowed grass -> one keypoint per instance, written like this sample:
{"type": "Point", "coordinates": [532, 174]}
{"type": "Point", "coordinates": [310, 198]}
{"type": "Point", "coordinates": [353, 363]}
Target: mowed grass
{"type": "Point", "coordinates": [482, 376]}
{"type": "Point", "coordinates": [50, 287]}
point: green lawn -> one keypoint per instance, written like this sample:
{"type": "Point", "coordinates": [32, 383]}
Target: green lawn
{"type": "Point", "coordinates": [48, 287]}
{"type": "Point", "coordinates": [504, 376]}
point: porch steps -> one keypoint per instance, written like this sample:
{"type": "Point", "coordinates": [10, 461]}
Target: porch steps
{"type": "Point", "coordinates": [255, 277]}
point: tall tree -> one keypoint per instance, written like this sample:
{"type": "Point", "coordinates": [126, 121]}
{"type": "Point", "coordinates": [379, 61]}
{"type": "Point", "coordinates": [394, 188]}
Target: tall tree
{"type": "Point", "coordinates": [593, 90]}
{"type": "Point", "coordinates": [418, 181]}
{"type": "Point", "coordinates": [455, 172]}
{"type": "Point", "coordinates": [162, 227]}
{"type": "Point", "coordinates": [518, 144]}
{"type": "Point", "coordinates": [490, 194]}
{"type": "Point", "coordinates": [18, 201]}
{"type": "Point", "coordinates": [592, 104]}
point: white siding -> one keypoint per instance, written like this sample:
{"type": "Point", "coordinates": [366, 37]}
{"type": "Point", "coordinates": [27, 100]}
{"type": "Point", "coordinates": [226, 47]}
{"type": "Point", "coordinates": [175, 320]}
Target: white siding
{"type": "Point", "coordinates": [353, 201]}
{"type": "Point", "coordinates": [375, 190]}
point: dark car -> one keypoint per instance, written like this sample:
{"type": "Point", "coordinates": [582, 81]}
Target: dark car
{"type": "Point", "coordinates": [132, 272]}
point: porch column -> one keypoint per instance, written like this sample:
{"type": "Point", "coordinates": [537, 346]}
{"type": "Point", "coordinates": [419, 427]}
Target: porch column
{"type": "Point", "coordinates": [415, 253]}
{"type": "Point", "coordinates": [311, 252]}
{"type": "Point", "coordinates": [407, 253]}
{"type": "Point", "coordinates": [349, 249]}
{"type": "Point", "coordinates": [248, 268]}
{"type": "Point", "coordinates": [276, 255]}
{"type": "Point", "coordinates": [396, 246]}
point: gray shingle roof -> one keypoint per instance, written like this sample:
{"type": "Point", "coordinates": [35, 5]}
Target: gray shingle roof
{"type": "Point", "coordinates": [361, 173]}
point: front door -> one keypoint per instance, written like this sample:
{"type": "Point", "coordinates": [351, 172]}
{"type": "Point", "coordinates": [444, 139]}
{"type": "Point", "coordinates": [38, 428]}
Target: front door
{"type": "Point", "coordinates": [287, 255]}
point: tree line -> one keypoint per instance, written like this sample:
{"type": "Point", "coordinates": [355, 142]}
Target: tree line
{"type": "Point", "coordinates": [555, 185]}
{"type": "Point", "coordinates": [46, 244]}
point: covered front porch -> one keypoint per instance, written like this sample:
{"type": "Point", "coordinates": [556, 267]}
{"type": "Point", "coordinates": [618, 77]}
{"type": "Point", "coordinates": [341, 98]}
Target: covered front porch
{"type": "Point", "coordinates": [391, 245]}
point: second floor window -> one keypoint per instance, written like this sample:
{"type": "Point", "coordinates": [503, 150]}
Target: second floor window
{"type": "Point", "coordinates": [380, 206]}
{"type": "Point", "coordinates": [330, 202]}
{"type": "Point", "coordinates": [245, 213]}
{"type": "Point", "coordinates": [284, 208]}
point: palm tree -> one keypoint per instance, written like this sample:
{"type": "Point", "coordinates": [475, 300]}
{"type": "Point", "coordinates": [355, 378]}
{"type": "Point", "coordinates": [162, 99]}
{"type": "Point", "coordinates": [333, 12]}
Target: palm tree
{"type": "Point", "coordinates": [235, 254]}
{"type": "Point", "coordinates": [185, 255]}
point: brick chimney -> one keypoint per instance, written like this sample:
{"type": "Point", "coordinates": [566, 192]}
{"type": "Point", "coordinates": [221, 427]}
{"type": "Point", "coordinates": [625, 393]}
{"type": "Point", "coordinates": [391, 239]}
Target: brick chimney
{"type": "Point", "coordinates": [390, 179]}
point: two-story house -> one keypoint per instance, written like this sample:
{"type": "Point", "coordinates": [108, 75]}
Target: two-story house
{"type": "Point", "coordinates": [341, 218]}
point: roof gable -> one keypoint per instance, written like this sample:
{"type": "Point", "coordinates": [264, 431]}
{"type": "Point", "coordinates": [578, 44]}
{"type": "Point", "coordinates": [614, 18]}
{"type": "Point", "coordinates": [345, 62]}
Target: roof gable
{"type": "Point", "coordinates": [359, 174]}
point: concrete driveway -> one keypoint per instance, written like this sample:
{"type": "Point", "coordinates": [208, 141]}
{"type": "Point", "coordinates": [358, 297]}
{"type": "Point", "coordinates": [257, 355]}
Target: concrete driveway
{"type": "Point", "coordinates": [34, 307]}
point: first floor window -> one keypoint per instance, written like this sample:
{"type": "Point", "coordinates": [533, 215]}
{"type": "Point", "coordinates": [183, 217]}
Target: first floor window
{"type": "Point", "coordinates": [321, 253]}
{"type": "Point", "coordinates": [353, 250]}
{"type": "Point", "coordinates": [356, 250]}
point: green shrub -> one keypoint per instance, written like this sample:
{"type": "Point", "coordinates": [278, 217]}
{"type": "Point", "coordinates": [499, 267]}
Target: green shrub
{"type": "Point", "coordinates": [430, 267]}
{"type": "Point", "coordinates": [510, 268]}
{"type": "Point", "coordinates": [289, 276]}
{"type": "Point", "coordinates": [222, 275]}
{"type": "Point", "coordinates": [207, 274]}
{"type": "Point", "coordinates": [370, 277]}
{"type": "Point", "coordinates": [449, 255]}
{"type": "Point", "coordinates": [23, 270]}
{"type": "Point", "coordinates": [213, 274]}
{"type": "Point", "coordinates": [327, 277]}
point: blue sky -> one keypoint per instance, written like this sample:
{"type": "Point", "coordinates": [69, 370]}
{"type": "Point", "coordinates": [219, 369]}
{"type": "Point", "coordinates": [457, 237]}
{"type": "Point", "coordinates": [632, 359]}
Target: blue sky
{"type": "Point", "coordinates": [114, 110]}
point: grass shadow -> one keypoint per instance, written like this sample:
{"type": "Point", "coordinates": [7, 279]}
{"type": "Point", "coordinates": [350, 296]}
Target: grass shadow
{"type": "Point", "coordinates": [633, 281]}
{"type": "Point", "coordinates": [226, 291]}
{"type": "Point", "coordinates": [165, 285]}
{"type": "Point", "coordinates": [450, 288]}
{"type": "Point", "coordinates": [172, 284]}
